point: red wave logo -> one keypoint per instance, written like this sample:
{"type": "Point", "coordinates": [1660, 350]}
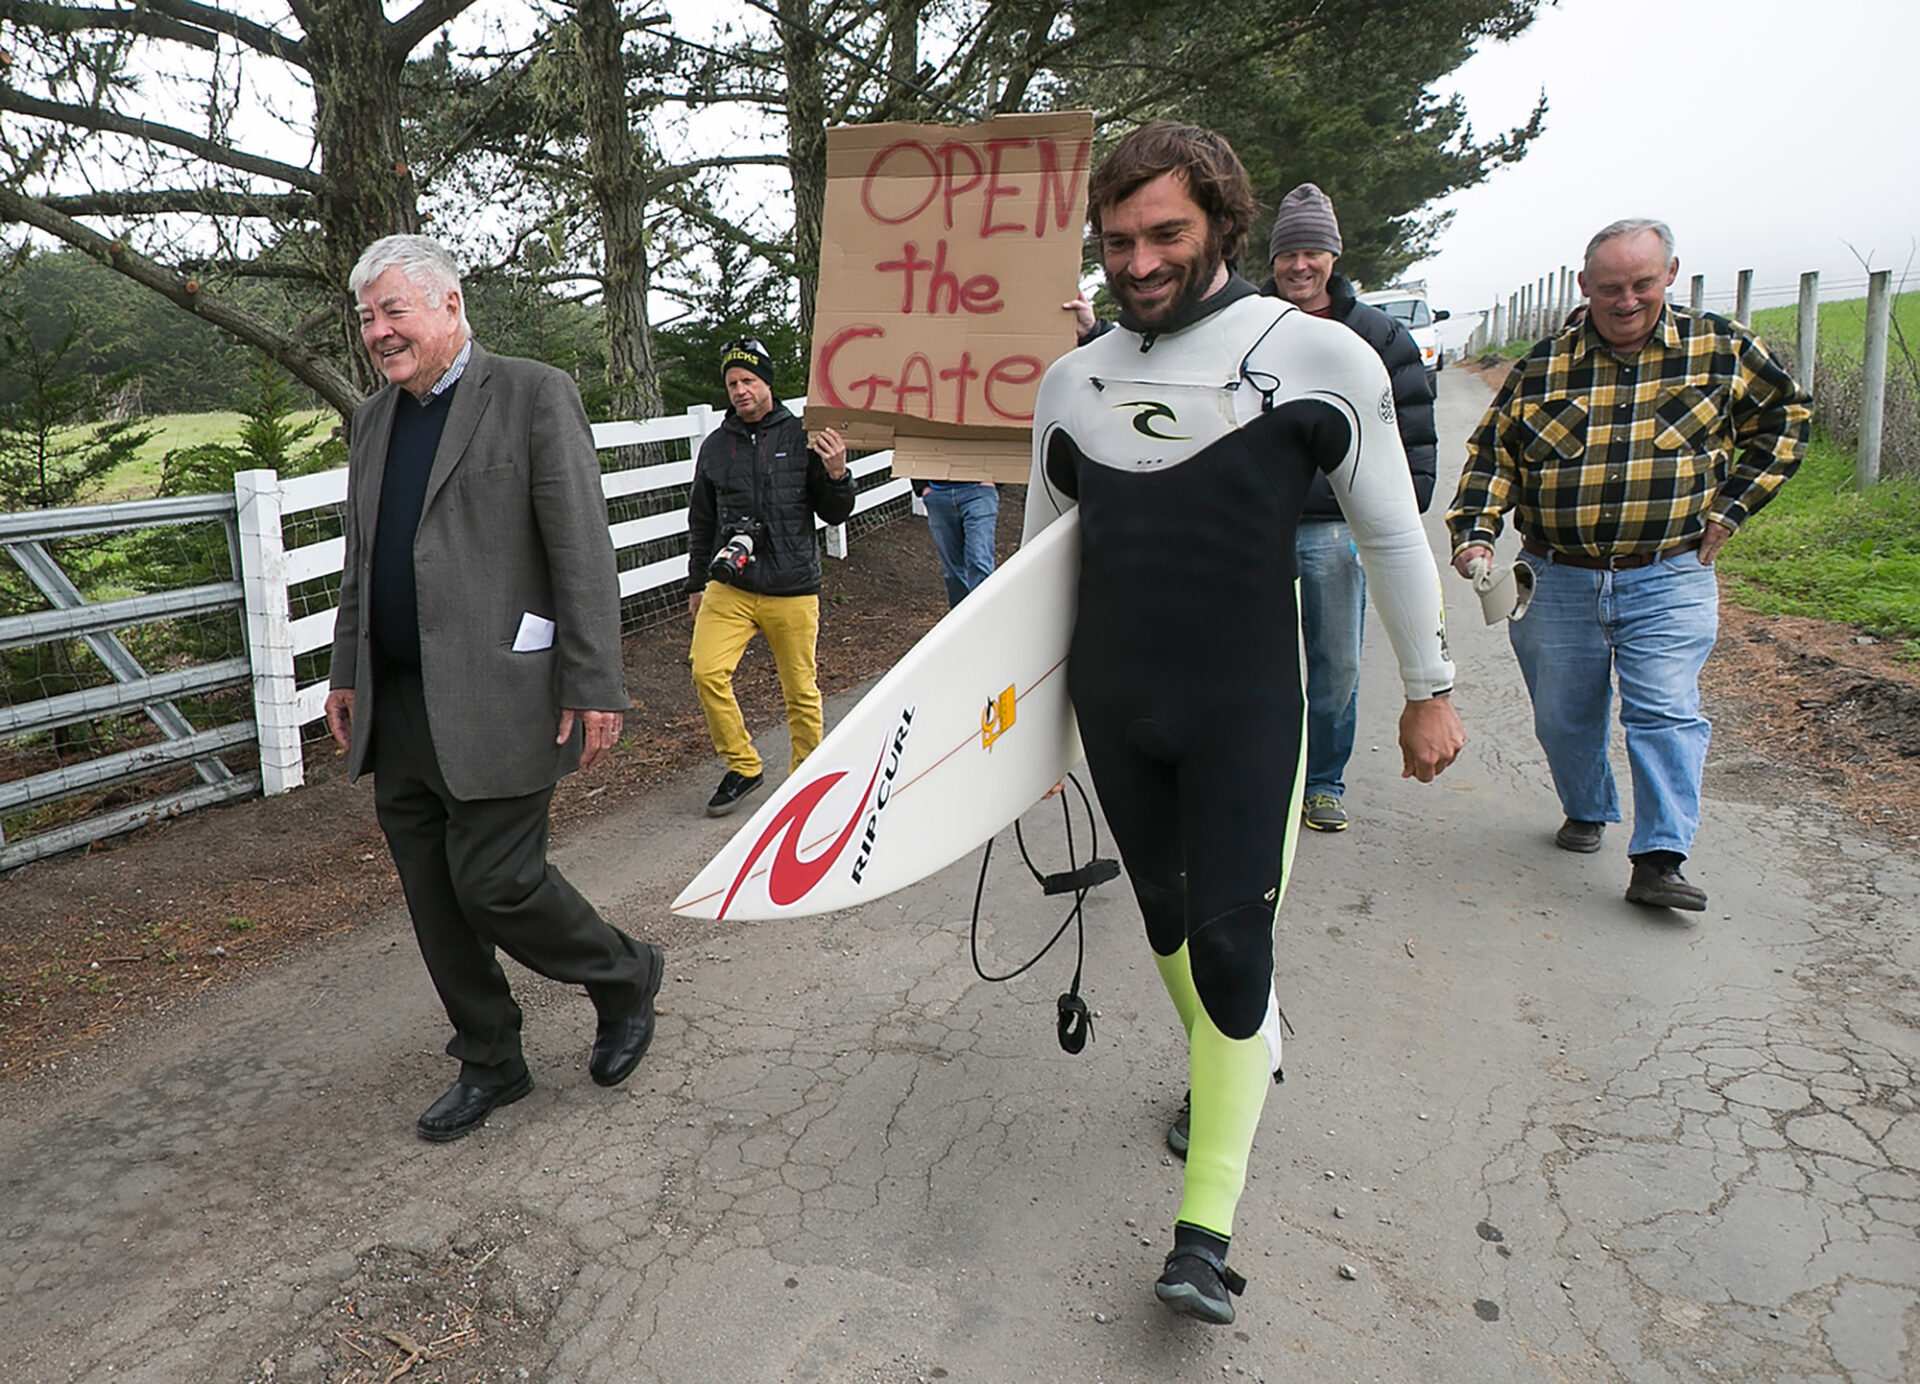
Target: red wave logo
{"type": "Point", "coordinates": [792, 878]}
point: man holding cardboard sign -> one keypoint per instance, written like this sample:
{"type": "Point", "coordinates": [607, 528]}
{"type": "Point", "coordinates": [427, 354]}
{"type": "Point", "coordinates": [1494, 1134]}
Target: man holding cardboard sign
{"type": "Point", "coordinates": [945, 253]}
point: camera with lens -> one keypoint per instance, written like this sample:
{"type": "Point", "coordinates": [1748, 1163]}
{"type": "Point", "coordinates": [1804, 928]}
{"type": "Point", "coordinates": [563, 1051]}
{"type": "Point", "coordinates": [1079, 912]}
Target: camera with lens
{"type": "Point", "coordinates": [740, 537]}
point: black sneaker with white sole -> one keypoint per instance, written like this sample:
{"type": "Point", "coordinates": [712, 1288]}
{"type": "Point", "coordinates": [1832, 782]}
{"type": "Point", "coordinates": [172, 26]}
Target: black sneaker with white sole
{"type": "Point", "coordinates": [733, 788]}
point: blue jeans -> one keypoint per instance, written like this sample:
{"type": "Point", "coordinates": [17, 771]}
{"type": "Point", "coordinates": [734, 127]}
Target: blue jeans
{"type": "Point", "coordinates": [1649, 629]}
{"type": "Point", "coordinates": [961, 516]}
{"type": "Point", "coordinates": [1333, 609]}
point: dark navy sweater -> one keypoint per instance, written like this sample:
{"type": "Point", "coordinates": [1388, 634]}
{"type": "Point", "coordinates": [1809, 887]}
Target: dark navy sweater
{"type": "Point", "coordinates": [395, 616]}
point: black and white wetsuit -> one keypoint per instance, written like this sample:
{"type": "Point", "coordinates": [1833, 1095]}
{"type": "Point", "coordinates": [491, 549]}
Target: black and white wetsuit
{"type": "Point", "coordinates": [1190, 455]}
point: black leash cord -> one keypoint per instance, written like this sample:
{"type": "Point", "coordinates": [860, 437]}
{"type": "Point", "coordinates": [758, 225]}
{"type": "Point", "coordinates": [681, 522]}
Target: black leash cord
{"type": "Point", "coordinates": [1075, 1025]}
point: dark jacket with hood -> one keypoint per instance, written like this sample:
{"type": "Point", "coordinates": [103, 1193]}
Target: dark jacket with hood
{"type": "Point", "coordinates": [1412, 398]}
{"type": "Point", "coordinates": [765, 472]}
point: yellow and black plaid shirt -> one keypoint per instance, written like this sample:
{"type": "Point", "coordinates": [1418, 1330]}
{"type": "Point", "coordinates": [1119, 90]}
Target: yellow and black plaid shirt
{"type": "Point", "coordinates": [1609, 456]}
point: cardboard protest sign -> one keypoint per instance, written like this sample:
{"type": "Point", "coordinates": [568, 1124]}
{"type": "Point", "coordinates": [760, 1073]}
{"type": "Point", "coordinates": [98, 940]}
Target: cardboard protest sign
{"type": "Point", "coordinates": [946, 253]}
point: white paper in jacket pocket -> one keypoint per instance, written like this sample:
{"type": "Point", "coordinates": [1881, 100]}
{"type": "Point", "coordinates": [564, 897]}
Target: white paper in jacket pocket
{"type": "Point", "coordinates": [536, 633]}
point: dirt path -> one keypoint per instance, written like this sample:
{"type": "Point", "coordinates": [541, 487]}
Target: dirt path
{"type": "Point", "coordinates": [1551, 1136]}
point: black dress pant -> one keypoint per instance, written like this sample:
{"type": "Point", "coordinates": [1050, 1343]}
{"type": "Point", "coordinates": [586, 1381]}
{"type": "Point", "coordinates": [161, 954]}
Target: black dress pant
{"type": "Point", "coordinates": [476, 879]}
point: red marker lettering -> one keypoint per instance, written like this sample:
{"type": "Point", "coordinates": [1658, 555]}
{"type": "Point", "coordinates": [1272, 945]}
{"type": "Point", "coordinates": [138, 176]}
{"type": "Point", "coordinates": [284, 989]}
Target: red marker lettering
{"type": "Point", "coordinates": [997, 189]}
{"type": "Point", "coordinates": [1016, 371]}
{"type": "Point", "coordinates": [1065, 191]}
{"type": "Point", "coordinates": [873, 175]}
{"type": "Point", "coordinates": [907, 386]}
{"type": "Point", "coordinates": [909, 264]}
{"type": "Point", "coordinates": [831, 350]}
{"type": "Point", "coordinates": [966, 374]}
{"type": "Point", "coordinates": [948, 152]}
{"type": "Point", "coordinates": [981, 294]}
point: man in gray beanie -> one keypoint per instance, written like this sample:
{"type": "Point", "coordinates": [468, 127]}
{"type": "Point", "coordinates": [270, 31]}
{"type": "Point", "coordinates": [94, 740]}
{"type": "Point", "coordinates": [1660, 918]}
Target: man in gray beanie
{"type": "Point", "coordinates": [1301, 249]}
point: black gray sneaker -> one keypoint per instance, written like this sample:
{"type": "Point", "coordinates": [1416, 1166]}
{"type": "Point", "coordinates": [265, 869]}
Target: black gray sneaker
{"type": "Point", "coordinates": [1177, 1131]}
{"type": "Point", "coordinates": [1323, 812]}
{"type": "Point", "coordinates": [732, 789]}
{"type": "Point", "coordinates": [1197, 1283]}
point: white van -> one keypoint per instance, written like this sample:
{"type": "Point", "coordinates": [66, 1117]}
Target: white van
{"type": "Point", "coordinates": [1407, 305]}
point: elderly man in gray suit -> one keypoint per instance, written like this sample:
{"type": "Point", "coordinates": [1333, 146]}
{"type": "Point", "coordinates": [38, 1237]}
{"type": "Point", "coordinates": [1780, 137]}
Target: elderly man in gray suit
{"type": "Point", "coordinates": [476, 660]}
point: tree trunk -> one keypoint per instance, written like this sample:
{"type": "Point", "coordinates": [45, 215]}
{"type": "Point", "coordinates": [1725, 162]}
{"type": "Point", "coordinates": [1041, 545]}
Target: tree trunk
{"type": "Point", "coordinates": [616, 172]}
{"type": "Point", "coordinates": [370, 190]}
{"type": "Point", "coordinates": [806, 147]}
{"type": "Point", "coordinates": [902, 101]}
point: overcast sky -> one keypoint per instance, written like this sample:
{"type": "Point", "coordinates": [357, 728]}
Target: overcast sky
{"type": "Point", "coordinates": [1770, 135]}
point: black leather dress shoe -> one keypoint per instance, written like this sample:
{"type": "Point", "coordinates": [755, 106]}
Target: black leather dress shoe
{"type": "Point", "coordinates": [619, 1044]}
{"type": "Point", "coordinates": [463, 1108]}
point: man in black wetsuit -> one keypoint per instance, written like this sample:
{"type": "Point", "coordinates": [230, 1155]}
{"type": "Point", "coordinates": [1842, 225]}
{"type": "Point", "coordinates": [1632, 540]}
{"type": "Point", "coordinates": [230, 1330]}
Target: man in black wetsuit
{"type": "Point", "coordinates": [1188, 438]}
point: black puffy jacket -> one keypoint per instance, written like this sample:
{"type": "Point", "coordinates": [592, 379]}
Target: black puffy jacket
{"type": "Point", "coordinates": [764, 471]}
{"type": "Point", "coordinates": [1412, 397]}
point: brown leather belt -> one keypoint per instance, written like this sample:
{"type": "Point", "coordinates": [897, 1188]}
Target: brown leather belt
{"type": "Point", "coordinates": [1622, 562]}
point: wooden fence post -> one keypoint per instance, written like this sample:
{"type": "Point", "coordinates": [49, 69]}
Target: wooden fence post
{"type": "Point", "coordinates": [1807, 343]}
{"type": "Point", "coordinates": [263, 581]}
{"type": "Point", "coordinates": [1873, 398]}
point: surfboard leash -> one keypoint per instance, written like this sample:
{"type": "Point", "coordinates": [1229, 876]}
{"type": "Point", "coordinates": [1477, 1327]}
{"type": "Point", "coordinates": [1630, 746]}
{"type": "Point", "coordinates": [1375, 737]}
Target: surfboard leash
{"type": "Point", "coordinates": [1075, 1020]}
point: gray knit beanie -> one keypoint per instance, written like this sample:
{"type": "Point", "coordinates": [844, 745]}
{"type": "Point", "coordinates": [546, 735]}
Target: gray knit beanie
{"type": "Point", "coordinates": [1305, 222]}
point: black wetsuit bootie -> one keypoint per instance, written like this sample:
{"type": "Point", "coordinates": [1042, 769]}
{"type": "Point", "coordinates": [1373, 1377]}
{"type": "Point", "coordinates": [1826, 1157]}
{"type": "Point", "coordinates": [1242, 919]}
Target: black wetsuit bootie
{"type": "Point", "coordinates": [1196, 1281]}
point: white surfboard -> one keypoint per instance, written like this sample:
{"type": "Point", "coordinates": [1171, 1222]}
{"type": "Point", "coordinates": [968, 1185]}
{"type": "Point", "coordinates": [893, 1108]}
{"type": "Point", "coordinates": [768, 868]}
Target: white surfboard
{"type": "Point", "coordinates": [965, 733]}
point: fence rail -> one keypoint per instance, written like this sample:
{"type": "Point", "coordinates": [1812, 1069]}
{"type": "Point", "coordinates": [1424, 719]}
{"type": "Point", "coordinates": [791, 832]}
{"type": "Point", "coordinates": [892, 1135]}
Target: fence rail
{"type": "Point", "coordinates": [268, 565]}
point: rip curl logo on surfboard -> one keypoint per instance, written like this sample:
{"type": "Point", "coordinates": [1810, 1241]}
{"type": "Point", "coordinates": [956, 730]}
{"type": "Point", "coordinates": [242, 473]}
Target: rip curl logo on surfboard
{"type": "Point", "coordinates": [789, 878]}
{"type": "Point", "coordinates": [882, 793]}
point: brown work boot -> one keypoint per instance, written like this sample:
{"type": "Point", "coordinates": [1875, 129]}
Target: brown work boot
{"type": "Point", "coordinates": [1660, 885]}
{"type": "Point", "coordinates": [1583, 837]}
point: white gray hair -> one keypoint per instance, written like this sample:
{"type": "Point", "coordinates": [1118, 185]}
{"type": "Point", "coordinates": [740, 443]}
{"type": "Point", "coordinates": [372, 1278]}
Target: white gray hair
{"type": "Point", "coordinates": [422, 259]}
{"type": "Point", "coordinates": [1632, 225]}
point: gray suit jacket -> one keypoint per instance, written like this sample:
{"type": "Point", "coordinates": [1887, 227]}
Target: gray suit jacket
{"type": "Point", "coordinates": [514, 523]}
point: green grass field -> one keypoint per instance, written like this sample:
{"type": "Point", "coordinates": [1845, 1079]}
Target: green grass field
{"type": "Point", "coordinates": [140, 477]}
{"type": "Point", "coordinates": [1843, 324]}
{"type": "Point", "coordinates": [1822, 548]}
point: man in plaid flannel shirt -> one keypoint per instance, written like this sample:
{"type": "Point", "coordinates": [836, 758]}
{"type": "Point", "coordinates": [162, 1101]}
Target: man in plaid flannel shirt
{"type": "Point", "coordinates": [1631, 447]}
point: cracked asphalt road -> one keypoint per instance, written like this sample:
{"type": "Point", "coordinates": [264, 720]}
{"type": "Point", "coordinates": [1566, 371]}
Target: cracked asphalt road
{"type": "Point", "coordinates": [1558, 1138]}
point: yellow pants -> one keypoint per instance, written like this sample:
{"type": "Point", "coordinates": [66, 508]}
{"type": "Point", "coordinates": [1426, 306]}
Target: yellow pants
{"type": "Point", "coordinates": [726, 624]}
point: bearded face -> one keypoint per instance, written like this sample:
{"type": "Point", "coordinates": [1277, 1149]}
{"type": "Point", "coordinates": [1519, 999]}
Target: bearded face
{"type": "Point", "coordinates": [1161, 251]}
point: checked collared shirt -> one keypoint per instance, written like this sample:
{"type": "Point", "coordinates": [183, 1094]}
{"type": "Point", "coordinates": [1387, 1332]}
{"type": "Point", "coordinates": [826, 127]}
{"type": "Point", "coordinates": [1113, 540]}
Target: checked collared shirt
{"type": "Point", "coordinates": [1611, 456]}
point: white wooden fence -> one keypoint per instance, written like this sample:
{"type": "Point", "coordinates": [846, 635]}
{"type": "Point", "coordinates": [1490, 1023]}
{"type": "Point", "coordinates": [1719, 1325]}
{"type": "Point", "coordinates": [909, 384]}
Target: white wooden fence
{"type": "Point", "coordinates": [269, 569]}
{"type": "Point", "coordinates": [274, 639]}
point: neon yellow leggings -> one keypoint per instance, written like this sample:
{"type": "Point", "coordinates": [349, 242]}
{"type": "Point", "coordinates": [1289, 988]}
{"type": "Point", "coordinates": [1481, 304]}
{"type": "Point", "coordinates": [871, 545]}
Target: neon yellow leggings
{"type": "Point", "coordinates": [1227, 1077]}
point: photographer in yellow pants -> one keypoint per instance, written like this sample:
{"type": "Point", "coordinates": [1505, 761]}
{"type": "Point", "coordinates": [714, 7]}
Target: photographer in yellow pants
{"type": "Point", "coordinates": [753, 560]}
